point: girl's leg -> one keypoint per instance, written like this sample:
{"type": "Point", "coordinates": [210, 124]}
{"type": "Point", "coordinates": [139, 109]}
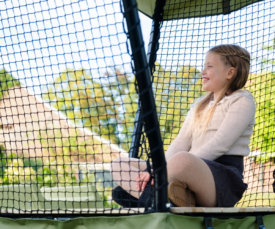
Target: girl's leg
{"type": "Point", "coordinates": [196, 174]}
{"type": "Point", "coordinates": [125, 170]}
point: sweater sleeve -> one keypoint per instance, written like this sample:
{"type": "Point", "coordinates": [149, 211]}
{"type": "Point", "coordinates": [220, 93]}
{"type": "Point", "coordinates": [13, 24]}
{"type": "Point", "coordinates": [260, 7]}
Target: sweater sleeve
{"type": "Point", "coordinates": [182, 142]}
{"type": "Point", "coordinates": [239, 116]}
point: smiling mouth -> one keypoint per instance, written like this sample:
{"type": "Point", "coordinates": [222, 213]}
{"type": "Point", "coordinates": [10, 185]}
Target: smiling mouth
{"type": "Point", "coordinates": [205, 79]}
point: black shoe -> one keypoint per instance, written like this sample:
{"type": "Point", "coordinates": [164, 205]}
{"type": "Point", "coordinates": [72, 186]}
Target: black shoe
{"type": "Point", "coordinates": [146, 198]}
{"type": "Point", "coordinates": [125, 199]}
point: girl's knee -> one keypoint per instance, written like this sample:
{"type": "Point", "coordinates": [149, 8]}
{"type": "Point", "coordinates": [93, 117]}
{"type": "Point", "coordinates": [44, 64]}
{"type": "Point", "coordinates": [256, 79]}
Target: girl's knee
{"type": "Point", "coordinates": [116, 164]}
{"type": "Point", "coordinates": [179, 166]}
{"type": "Point", "coordinates": [184, 159]}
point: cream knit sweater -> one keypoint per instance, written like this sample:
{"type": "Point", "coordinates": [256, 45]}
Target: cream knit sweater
{"type": "Point", "coordinates": [228, 132]}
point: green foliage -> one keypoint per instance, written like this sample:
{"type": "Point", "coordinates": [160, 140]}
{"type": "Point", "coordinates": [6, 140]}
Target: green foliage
{"type": "Point", "coordinates": [16, 173]}
{"type": "Point", "coordinates": [106, 195]}
{"type": "Point", "coordinates": [36, 163]}
{"type": "Point", "coordinates": [175, 90]}
{"type": "Point", "coordinates": [16, 170]}
{"type": "Point", "coordinates": [262, 87]}
{"type": "Point", "coordinates": [104, 105]}
{"type": "Point", "coordinates": [264, 158]}
{"type": "Point", "coordinates": [5, 160]}
{"type": "Point", "coordinates": [6, 81]}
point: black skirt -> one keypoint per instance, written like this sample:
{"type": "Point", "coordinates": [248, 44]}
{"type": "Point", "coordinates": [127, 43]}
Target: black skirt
{"type": "Point", "coordinates": [227, 171]}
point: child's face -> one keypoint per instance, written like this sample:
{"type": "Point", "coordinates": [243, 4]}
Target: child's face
{"type": "Point", "coordinates": [215, 74]}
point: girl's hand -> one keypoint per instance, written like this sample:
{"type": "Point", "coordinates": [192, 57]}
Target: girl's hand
{"type": "Point", "coordinates": [142, 180]}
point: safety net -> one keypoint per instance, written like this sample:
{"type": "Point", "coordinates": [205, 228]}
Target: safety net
{"type": "Point", "coordinates": [177, 81]}
{"type": "Point", "coordinates": [68, 104]}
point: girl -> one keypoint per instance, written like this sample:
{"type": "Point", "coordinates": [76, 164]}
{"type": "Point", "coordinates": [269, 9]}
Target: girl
{"type": "Point", "coordinates": [205, 161]}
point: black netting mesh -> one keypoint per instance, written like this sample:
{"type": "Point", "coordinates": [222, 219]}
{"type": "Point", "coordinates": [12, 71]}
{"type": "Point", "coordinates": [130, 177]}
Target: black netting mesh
{"type": "Point", "coordinates": [68, 104]}
{"type": "Point", "coordinates": [177, 82]}
{"type": "Point", "coordinates": [69, 99]}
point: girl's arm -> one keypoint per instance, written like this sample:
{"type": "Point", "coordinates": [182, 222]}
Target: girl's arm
{"type": "Point", "coordinates": [181, 142]}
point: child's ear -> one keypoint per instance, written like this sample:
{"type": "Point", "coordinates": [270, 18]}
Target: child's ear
{"type": "Point", "coordinates": [231, 72]}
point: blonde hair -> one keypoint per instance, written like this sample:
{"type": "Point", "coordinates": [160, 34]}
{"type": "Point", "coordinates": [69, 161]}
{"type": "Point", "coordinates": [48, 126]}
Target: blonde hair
{"type": "Point", "coordinates": [230, 55]}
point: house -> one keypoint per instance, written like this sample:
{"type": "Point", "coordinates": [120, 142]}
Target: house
{"type": "Point", "coordinates": [34, 129]}
{"type": "Point", "coordinates": [259, 175]}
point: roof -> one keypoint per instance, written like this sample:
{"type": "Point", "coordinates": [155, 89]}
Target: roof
{"type": "Point", "coordinates": [72, 124]}
{"type": "Point", "coordinates": [27, 116]}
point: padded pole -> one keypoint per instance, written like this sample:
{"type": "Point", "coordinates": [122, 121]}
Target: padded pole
{"type": "Point", "coordinates": [148, 105]}
{"type": "Point", "coordinates": [151, 58]}
{"type": "Point", "coordinates": [135, 143]}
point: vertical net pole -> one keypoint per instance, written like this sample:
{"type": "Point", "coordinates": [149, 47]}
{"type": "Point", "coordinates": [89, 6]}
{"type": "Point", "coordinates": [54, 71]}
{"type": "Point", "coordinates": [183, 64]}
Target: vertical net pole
{"type": "Point", "coordinates": [155, 34]}
{"type": "Point", "coordinates": [148, 105]}
{"type": "Point", "coordinates": [135, 143]}
{"type": "Point", "coordinates": [151, 58]}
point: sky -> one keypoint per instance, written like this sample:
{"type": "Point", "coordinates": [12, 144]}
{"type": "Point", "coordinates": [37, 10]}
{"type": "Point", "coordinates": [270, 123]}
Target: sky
{"type": "Point", "coordinates": [40, 39]}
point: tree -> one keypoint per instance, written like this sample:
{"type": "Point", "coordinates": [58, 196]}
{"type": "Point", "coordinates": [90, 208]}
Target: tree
{"type": "Point", "coordinates": [7, 81]}
{"type": "Point", "coordinates": [103, 104]}
{"type": "Point", "coordinates": [175, 90]}
{"type": "Point", "coordinates": [262, 86]}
